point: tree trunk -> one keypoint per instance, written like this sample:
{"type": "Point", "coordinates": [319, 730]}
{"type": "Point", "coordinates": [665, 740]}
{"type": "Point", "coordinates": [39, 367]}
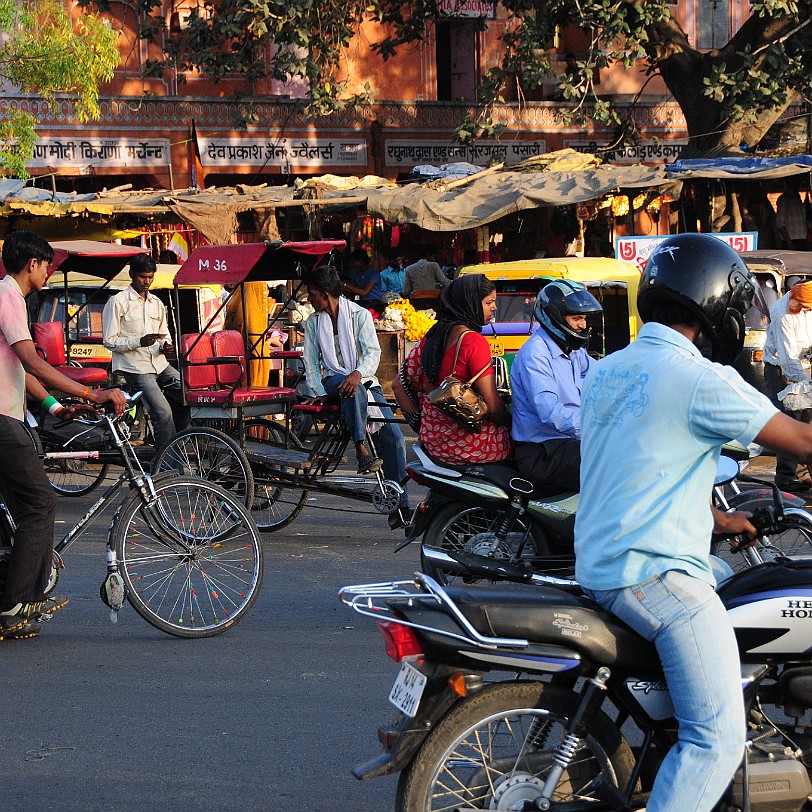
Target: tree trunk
{"type": "Point", "coordinates": [684, 71]}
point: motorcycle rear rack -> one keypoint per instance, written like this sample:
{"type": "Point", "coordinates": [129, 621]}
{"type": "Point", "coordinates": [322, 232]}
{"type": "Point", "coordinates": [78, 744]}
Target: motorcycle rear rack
{"type": "Point", "coordinates": [372, 600]}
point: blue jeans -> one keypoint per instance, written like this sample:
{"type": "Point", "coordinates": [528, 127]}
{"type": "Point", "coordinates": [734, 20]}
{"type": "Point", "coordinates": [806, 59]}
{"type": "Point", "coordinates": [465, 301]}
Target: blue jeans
{"type": "Point", "coordinates": [687, 623]}
{"type": "Point", "coordinates": [162, 397]}
{"type": "Point", "coordinates": [388, 439]}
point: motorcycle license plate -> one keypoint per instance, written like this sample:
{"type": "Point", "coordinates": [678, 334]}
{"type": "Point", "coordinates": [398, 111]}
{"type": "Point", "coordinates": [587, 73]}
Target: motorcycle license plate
{"type": "Point", "coordinates": [407, 690]}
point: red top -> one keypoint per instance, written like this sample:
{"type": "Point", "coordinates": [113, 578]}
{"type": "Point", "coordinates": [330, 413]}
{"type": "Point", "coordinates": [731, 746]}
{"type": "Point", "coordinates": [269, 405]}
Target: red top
{"type": "Point", "coordinates": [440, 434]}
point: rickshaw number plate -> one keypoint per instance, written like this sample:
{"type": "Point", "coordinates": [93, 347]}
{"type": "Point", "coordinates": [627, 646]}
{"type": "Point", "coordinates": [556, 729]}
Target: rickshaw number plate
{"type": "Point", "coordinates": [407, 690]}
{"type": "Point", "coordinates": [497, 349]}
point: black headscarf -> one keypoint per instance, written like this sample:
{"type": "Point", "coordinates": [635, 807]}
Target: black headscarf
{"type": "Point", "coordinates": [460, 303]}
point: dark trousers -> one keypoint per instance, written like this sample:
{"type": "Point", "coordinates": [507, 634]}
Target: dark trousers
{"type": "Point", "coordinates": [32, 502]}
{"type": "Point", "coordinates": [553, 466]}
{"type": "Point", "coordinates": [163, 397]}
{"type": "Point", "coordinates": [774, 382]}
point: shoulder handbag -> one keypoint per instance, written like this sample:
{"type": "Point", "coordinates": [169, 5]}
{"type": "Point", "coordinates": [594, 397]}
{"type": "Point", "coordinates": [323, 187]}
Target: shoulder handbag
{"type": "Point", "coordinates": [459, 399]}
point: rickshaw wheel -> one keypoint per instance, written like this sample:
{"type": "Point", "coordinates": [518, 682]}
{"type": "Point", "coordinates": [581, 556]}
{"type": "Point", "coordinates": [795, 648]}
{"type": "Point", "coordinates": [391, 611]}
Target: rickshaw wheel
{"type": "Point", "coordinates": [209, 454]}
{"type": "Point", "coordinates": [275, 506]}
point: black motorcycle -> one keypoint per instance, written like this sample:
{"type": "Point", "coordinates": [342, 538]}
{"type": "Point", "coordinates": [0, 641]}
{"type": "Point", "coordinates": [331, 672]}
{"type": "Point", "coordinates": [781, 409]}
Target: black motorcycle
{"type": "Point", "coordinates": [531, 697]}
{"type": "Point", "coordinates": [490, 510]}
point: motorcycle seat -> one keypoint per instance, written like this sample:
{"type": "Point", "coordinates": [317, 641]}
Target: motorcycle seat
{"type": "Point", "coordinates": [551, 616]}
{"type": "Point", "coordinates": [498, 473]}
{"type": "Point", "coordinates": [501, 473]}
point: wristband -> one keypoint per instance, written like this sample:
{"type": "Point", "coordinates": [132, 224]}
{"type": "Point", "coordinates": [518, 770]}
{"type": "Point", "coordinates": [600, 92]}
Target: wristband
{"type": "Point", "coordinates": [86, 393]}
{"type": "Point", "coordinates": [52, 405]}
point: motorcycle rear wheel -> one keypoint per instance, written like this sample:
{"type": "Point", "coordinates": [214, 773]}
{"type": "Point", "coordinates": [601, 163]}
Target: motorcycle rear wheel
{"type": "Point", "coordinates": [458, 527]}
{"type": "Point", "coordinates": [494, 751]}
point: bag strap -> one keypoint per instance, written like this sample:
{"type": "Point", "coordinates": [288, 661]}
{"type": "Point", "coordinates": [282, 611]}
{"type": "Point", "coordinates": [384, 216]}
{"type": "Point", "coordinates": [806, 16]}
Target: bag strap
{"type": "Point", "coordinates": [481, 372]}
{"type": "Point", "coordinates": [457, 351]}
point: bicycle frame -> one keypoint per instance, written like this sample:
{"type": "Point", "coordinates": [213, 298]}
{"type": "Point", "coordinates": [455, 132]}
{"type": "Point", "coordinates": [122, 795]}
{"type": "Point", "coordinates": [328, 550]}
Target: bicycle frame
{"type": "Point", "coordinates": [133, 473]}
{"type": "Point", "coordinates": [314, 470]}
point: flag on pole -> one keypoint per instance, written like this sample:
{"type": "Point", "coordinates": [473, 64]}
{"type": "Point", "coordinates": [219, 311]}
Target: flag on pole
{"type": "Point", "coordinates": [195, 166]}
{"type": "Point", "coordinates": [179, 246]}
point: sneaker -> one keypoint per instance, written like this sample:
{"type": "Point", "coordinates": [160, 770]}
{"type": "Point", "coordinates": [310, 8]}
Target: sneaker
{"type": "Point", "coordinates": [367, 464]}
{"type": "Point", "coordinates": [16, 617]}
{"type": "Point", "coordinates": [794, 487]}
{"type": "Point", "coordinates": [29, 628]}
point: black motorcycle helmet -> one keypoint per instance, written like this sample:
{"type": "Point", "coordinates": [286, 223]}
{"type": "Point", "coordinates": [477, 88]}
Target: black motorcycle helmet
{"type": "Point", "coordinates": [707, 277]}
{"type": "Point", "coordinates": [565, 298]}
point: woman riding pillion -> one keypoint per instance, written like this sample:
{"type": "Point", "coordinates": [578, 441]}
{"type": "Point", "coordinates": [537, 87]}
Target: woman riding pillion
{"type": "Point", "coordinates": [341, 356]}
{"type": "Point", "coordinates": [456, 346]}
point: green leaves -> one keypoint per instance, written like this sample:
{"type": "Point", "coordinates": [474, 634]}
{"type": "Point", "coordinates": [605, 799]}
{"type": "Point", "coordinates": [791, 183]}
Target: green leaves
{"type": "Point", "coordinates": [45, 54]}
{"type": "Point", "coordinates": [312, 40]}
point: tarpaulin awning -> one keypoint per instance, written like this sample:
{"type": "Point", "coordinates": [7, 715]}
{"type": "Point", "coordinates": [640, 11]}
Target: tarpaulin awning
{"type": "Point", "coordinates": [493, 196]}
{"type": "Point", "coordinates": [560, 178]}
{"type": "Point", "coordinates": [740, 168]}
{"type": "Point", "coordinates": [233, 264]}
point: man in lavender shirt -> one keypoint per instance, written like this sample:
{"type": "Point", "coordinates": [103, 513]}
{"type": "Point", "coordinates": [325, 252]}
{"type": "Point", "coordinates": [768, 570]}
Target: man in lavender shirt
{"type": "Point", "coordinates": [23, 482]}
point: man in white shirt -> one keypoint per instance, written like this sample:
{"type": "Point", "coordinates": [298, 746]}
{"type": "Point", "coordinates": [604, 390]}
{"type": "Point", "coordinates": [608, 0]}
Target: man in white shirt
{"type": "Point", "coordinates": [137, 334]}
{"type": "Point", "coordinates": [786, 360]}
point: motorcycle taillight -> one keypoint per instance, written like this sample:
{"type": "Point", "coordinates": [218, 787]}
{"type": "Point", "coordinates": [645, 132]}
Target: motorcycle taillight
{"type": "Point", "coordinates": [401, 641]}
{"type": "Point", "coordinates": [420, 480]}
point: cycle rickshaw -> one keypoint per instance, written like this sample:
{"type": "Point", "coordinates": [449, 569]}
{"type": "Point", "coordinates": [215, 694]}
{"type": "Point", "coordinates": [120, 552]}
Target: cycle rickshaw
{"type": "Point", "coordinates": [268, 463]}
{"type": "Point", "coordinates": [67, 331]}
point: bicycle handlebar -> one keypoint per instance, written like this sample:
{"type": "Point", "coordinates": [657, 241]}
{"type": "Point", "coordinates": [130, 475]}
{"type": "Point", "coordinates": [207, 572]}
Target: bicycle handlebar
{"type": "Point", "coordinates": [103, 410]}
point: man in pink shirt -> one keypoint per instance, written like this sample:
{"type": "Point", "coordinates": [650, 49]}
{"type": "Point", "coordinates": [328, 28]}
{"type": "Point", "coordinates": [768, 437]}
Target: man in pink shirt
{"type": "Point", "coordinates": [23, 481]}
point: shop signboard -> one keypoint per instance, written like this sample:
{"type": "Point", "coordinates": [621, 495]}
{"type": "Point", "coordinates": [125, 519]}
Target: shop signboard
{"type": "Point", "coordinates": [282, 152]}
{"type": "Point", "coordinates": [637, 250]}
{"type": "Point", "coordinates": [657, 151]}
{"type": "Point", "coordinates": [98, 153]}
{"type": "Point", "coordinates": [467, 8]}
{"type": "Point", "coordinates": [409, 153]}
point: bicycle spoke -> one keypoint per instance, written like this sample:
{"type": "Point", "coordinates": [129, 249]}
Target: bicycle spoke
{"type": "Point", "coordinates": [191, 559]}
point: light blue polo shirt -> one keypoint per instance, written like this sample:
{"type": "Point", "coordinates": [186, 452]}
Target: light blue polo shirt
{"type": "Point", "coordinates": [653, 418]}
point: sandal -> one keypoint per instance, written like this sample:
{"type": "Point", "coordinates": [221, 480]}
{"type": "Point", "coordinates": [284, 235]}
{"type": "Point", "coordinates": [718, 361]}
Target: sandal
{"type": "Point", "coordinates": [396, 520]}
{"type": "Point", "coordinates": [367, 464]}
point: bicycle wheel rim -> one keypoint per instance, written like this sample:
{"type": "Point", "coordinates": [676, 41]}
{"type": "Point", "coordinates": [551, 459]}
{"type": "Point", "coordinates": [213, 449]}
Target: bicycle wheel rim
{"type": "Point", "coordinates": [191, 559]}
{"type": "Point", "coordinates": [209, 454]}
{"type": "Point", "coordinates": [275, 504]}
{"type": "Point", "coordinates": [75, 477]}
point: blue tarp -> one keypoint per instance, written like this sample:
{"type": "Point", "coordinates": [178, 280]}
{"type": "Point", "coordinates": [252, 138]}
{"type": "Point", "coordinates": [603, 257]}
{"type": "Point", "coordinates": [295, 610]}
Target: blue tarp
{"type": "Point", "coordinates": [788, 165]}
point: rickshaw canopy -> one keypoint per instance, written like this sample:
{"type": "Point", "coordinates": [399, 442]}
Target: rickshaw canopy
{"type": "Point", "coordinates": [260, 261]}
{"type": "Point", "coordinates": [101, 259]}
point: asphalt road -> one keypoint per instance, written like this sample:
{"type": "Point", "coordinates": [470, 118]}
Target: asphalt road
{"type": "Point", "coordinates": [270, 715]}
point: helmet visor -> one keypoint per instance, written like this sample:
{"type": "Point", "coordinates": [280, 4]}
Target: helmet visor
{"type": "Point", "coordinates": [581, 303]}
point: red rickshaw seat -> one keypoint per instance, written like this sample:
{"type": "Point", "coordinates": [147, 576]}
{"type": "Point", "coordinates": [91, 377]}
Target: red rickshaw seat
{"type": "Point", "coordinates": [50, 342]}
{"type": "Point", "coordinates": [205, 380]}
{"type": "Point", "coordinates": [229, 344]}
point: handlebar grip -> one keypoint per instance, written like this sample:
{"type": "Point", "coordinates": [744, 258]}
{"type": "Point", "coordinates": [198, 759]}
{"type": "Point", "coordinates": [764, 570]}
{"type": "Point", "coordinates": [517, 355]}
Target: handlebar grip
{"type": "Point", "coordinates": [765, 521]}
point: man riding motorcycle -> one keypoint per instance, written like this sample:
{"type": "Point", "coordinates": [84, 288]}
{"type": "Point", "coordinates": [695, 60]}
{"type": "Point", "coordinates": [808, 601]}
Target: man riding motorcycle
{"type": "Point", "coordinates": [654, 416]}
